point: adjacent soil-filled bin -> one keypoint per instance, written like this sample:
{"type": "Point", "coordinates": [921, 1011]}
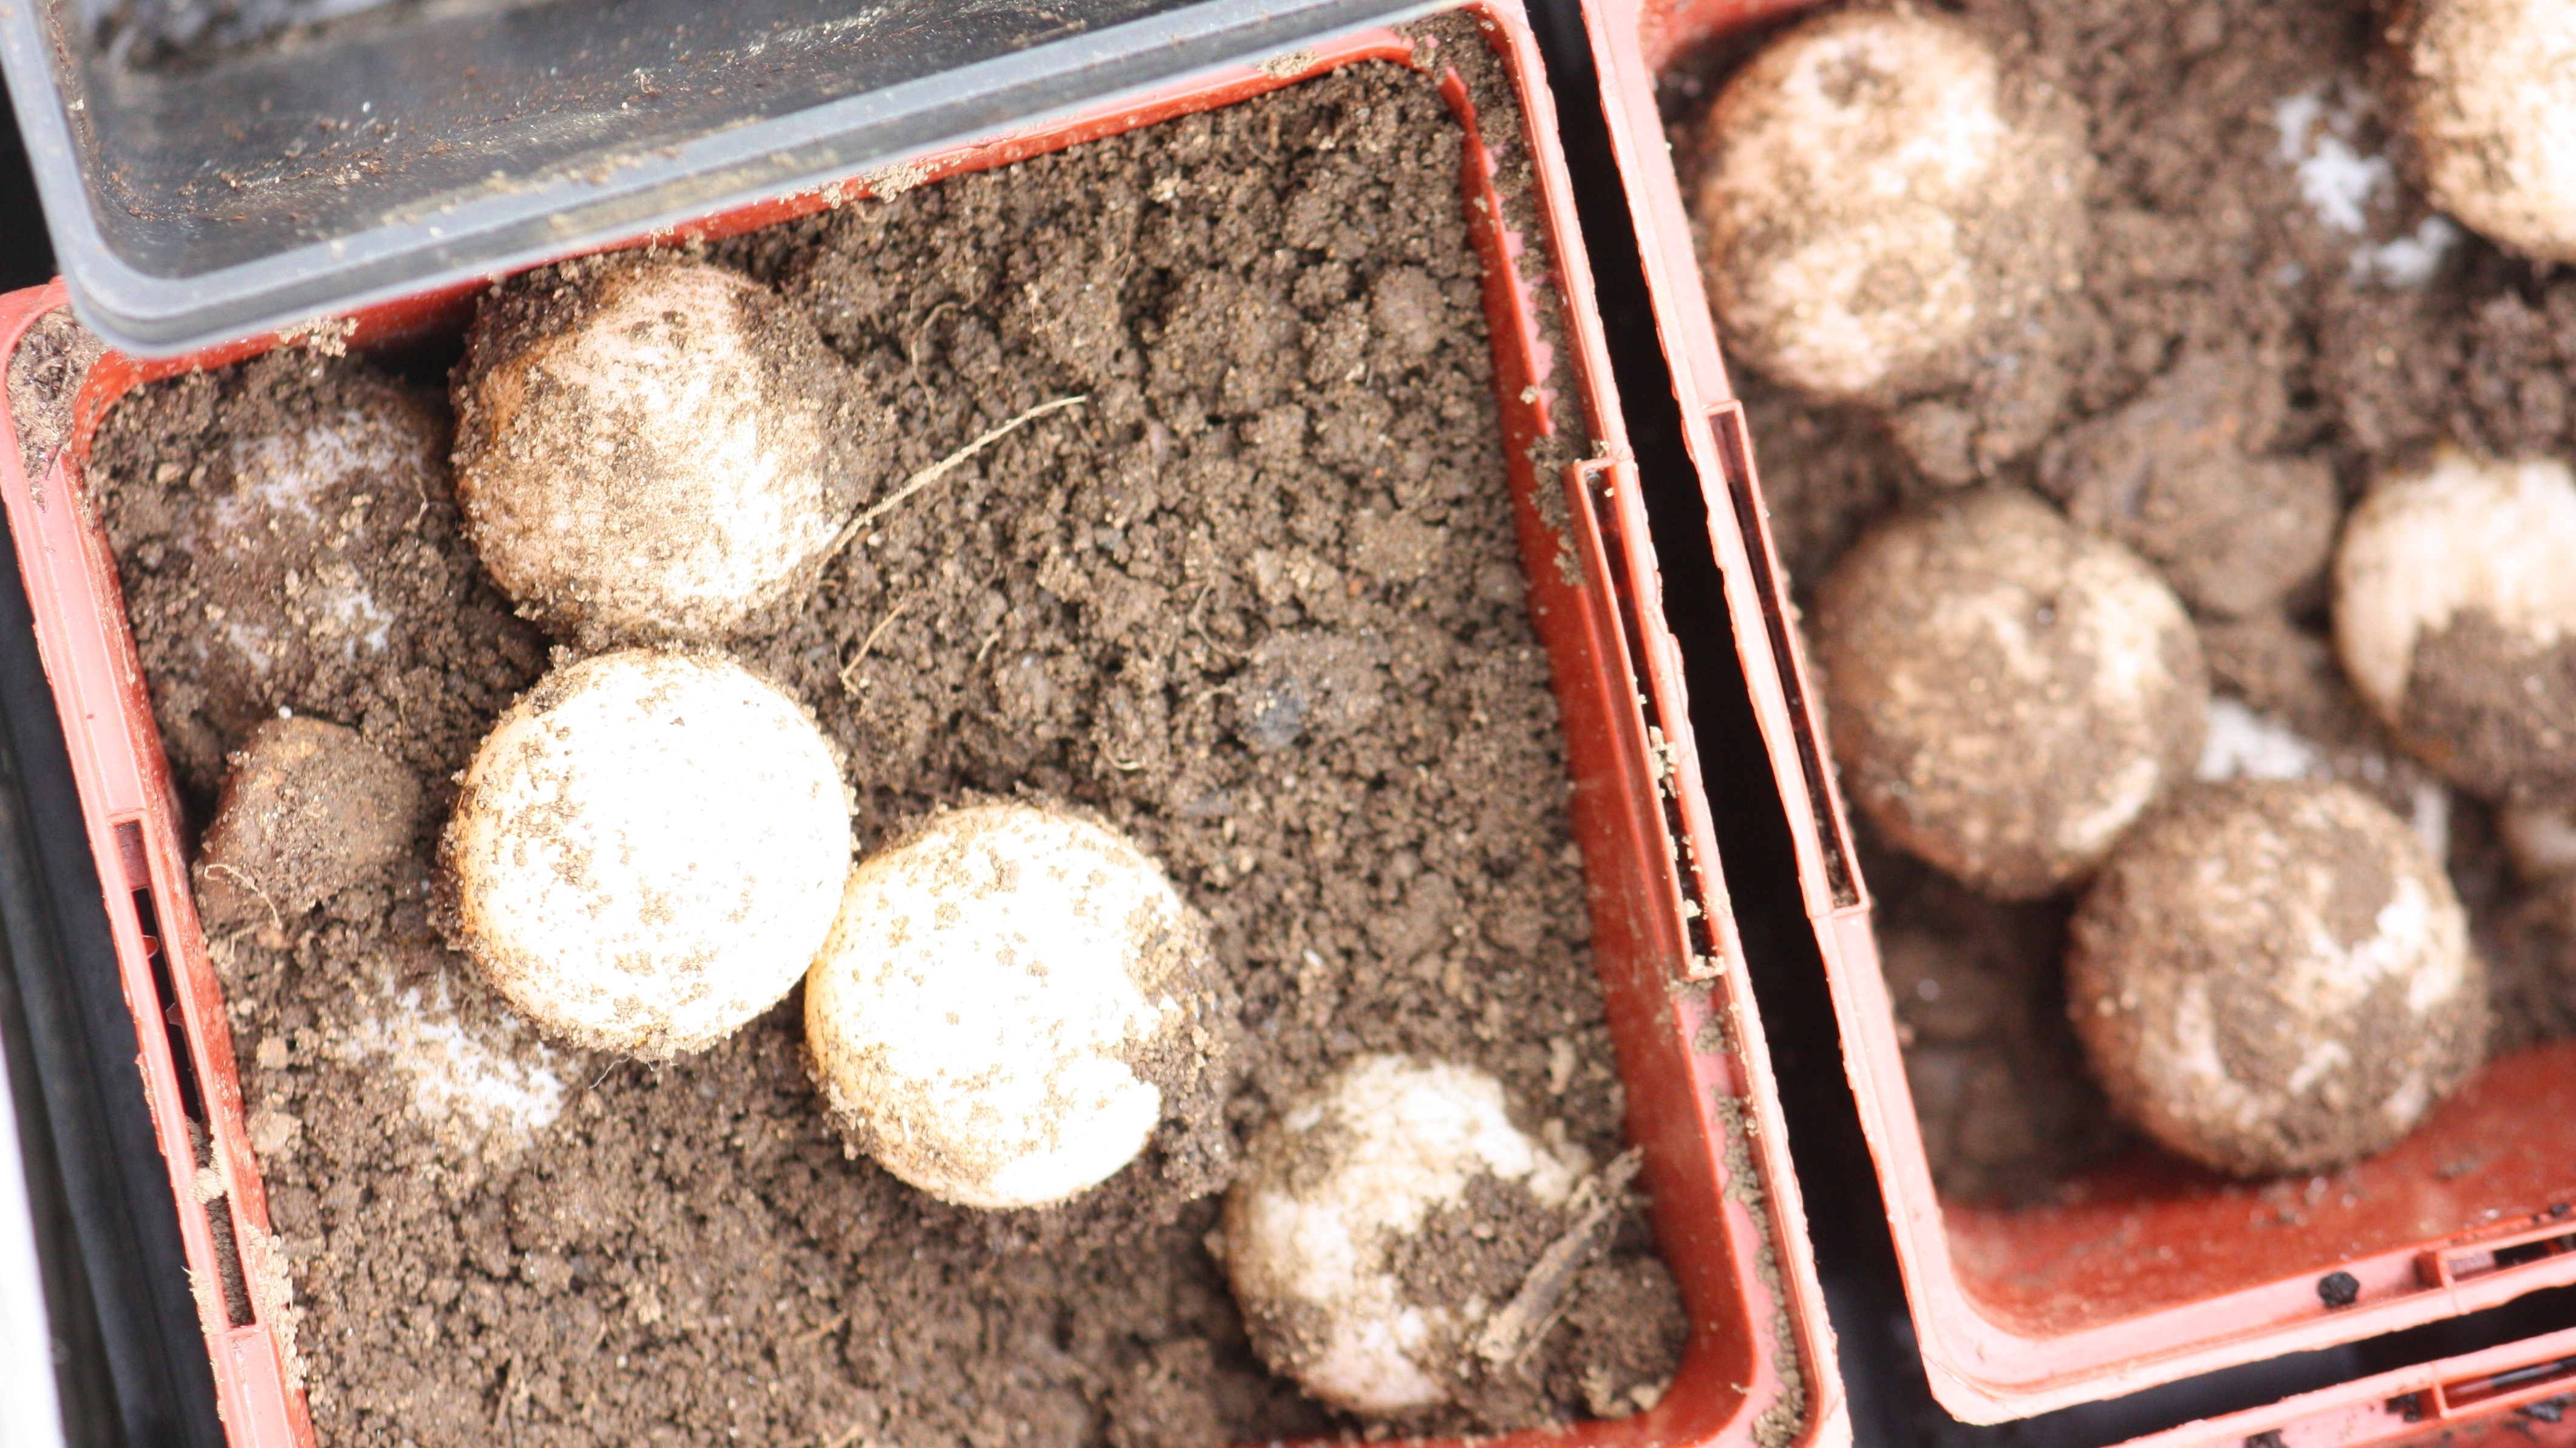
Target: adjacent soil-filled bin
{"type": "Point", "coordinates": [2256, 257]}
{"type": "Point", "coordinates": [410, 1217]}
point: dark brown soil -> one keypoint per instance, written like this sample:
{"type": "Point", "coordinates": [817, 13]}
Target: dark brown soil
{"type": "Point", "coordinates": [1999, 1082]}
{"type": "Point", "coordinates": [2179, 474]}
{"type": "Point", "coordinates": [2532, 928]}
{"type": "Point", "coordinates": [1256, 602]}
{"type": "Point", "coordinates": [286, 541]}
{"type": "Point", "coordinates": [2247, 332]}
{"type": "Point", "coordinates": [2501, 704]}
{"type": "Point", "coordinates": [1620, 1311]}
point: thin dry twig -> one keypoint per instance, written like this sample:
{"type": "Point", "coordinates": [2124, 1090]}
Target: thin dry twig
{"type": "Point", "coordinates": [945, 466]}
{"type": "Point", "coordinates": [1197, 625]}
{"type": "Point", "coordinates": [870, 642]}
{"type": "Point", "coordinates": [920, 331]}
{"type": "Point", "coordinates": [821, 1330]}
{"type": "Point", "coordinates": [1535, 1308]}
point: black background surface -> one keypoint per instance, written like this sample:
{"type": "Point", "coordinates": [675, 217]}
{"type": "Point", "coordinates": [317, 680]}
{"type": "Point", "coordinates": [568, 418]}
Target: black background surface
{"type": "Point", "coordinates": [26, 257]}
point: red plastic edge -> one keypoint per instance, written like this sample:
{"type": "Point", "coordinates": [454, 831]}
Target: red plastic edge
{"type": "Point", "coordinates": [1703, 1101]}
{"type": "Point", "coordinates": [128, 809]}
{"type": "Point", "coordinates": [1980, 1370]}
{"type": "Point", "coordinates": [2525, 1389]}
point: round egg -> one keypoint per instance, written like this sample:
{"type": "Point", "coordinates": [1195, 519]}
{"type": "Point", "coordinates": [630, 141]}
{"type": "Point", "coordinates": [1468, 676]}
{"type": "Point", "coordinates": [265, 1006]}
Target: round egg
{"type": "Point", "coordinates": [1331, 1192]}
{"type": "Point", "coordinates": [2455, 618]}
{"type": "Point", "coordinates": [1012, 1001]}
{"type": "Point", "coordinates": [2274, 976]}
{"type": "Point", "coordinates": [648, 850]}
{"type": "Point", "coordinates": [308, 809]}
{"type": "Point", "coordinates": [1879, 198]}
{"type": "Point", "coordinates": [641, 450]}
{"type": "Point", "coordinates": [2006, 693]}
{"type": "Point", "coordinates": [2489, 109]}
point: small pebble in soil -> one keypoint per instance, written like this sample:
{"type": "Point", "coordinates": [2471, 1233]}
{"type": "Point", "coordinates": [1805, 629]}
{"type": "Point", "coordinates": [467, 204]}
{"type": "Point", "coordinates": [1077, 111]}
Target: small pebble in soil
{"type": "Point", "coordinates": [2007, 692]}
{"type": "Point", "coordinates": [298, 551]}
{"type": "Point", "coordinates": [2490, 89]}
{"type": "Point", "coordinates": [1882, 200]}
{"type": "Point", "coordinates": [2455, 616]}
{"type": "Point", "coordinates": [2273, 976]}
{"type": "Point", "coordinates": [1010, 1003]}
{"type": "Point", "coordinates": [1331, 1192]}
{"type": "Point", "coordinates": [1305, 683]}
{"type": "Point", "coordinates": [647, 851]}
{"type": "Point", "coordinates": [639, 454]}
{"type": "Point", "coordinates": [308, 810]}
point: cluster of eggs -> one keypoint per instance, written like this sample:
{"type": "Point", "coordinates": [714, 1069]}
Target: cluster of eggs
{"type": "Point", "coordinates": [652, 846]}
{"type": "Point", "coordinates": [2268, 976]}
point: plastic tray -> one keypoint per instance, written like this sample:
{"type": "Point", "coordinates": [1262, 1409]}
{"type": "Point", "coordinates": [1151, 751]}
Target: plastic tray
{"type": "Point", "coordinates": [1699, 1088]}
{"type": "Point", "coordinates": [2152, 1271]}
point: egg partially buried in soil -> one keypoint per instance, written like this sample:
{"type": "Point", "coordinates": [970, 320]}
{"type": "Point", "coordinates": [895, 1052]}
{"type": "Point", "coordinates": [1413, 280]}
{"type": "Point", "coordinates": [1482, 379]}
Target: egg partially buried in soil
{"type": "Point", "coordinates": [647, 851]}
{"type": "Point", "coordinates": [308, 809]}
{"type": "Point", "coordinates": [2455, 617]}
{"type": "Point", "coordinates": [2007, 693]}
{"type": "Point", "coordinates": [2180, 473]}
{"type": "Point", "coordinates": [2489, 92]}
{"type": "Point", "coordinates": [299, 557]}
{"type": "Point", "coordinates": [641, 449]}
{"type": "Point", "coordinates": [1880, 197]}
{"type": "Point", "coordinates": [1331, 1192]}
{"type": "Point", "coordinates": [1013, 999]}
{"type": "Point", "coordinates": [2273, 976]}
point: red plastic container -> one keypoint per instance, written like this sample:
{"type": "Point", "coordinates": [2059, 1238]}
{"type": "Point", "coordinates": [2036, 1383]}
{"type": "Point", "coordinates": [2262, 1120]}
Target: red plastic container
{"type": "Point", "coordinates": [2523, 1393]}
{"type": "Point", "coordinates": [2149, 1270]}
{"type": "Point", "coordinates": [1701, 1099]}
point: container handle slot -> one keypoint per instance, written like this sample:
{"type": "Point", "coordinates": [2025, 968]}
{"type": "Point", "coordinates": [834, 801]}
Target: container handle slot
{"type": "Point", "coordinates": [2451, 1397]}
{"type": "Point", "coordinates": [1594, 481]}
{"type": "Point", "coordinates": [165, 985]}
{"type": "Point", "coordinates": [1735, 459]}
{"type": "Point", "coordinates": [230, 1284]}
{"type": "Point", "coordinates": [2459, 1264]}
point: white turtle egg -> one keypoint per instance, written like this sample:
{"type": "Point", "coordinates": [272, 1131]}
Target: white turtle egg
{"type": "Point", "coordinates": [648, 850]}
{"type": "Point", "coordinates": [1006, 998]}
